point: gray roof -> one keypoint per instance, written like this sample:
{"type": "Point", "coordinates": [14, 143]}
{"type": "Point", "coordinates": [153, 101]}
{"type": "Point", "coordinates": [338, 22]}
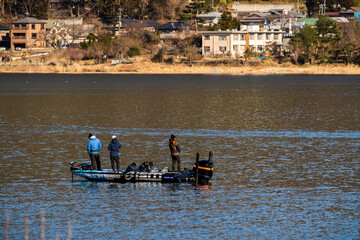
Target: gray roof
{"type": "Point", "coordinates": [151, 23]}
{"type": "Point", "coordinates": [3, 28]}
{"type": "Point", "coordinates": [148, 23]}
{"type": "Point", "coordinates": [30, 20]}
{"type": "Point", "coordinates": [295, 14]}
{"type": "Point", "coordinates": [50, 23]}
{"type": "Point", "coordinates": [259, 14]}
{"type": "Point", "coordinates": [210, 15]}
{"type": "Point", "coordinates": [174, 26]}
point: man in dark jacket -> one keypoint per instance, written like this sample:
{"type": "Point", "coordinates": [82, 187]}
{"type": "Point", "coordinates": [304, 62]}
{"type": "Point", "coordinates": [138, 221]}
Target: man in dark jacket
{"type": "Point", "coordinates": [114, 147]}
{"type": "Point", "coordinates": [175, 153]}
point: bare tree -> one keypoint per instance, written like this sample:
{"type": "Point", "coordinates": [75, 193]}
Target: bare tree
{"type": "Point", "coordinates": [166, 9]}
{"type": "Point", "coordinates": [2, 8]}
{"type": "Point", "coordinates": [351, 33]}
{"type": "Point", "coordinates": [28, 6]}
{"type": "Point", "coordinates": [174, 6]}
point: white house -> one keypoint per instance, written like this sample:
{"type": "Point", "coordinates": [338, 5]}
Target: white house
{"type": "Point", "coordinates": [234, 43]}
{"type": "Point", "coordinates": [210, 18]}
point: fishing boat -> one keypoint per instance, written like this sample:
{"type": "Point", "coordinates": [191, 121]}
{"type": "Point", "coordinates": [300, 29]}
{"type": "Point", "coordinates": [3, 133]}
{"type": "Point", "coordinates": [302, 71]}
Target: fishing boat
{"type": "Point", "coordinates": [201, 173]}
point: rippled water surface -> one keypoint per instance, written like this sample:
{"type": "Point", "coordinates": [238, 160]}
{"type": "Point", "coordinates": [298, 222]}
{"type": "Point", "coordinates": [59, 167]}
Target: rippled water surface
{"type": "Point", "coordinates": [286, 156]}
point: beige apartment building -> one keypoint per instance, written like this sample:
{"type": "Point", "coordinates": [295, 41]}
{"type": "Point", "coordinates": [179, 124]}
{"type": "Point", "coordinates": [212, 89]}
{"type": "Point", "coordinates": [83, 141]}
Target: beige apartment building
{"type": "Point", "coordinates": [234, 43]}
{"type": "Point", "coordinates": [28, 33]}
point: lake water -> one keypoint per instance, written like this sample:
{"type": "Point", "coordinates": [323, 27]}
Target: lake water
{"type": "Point", "coordinates": [286, 156]}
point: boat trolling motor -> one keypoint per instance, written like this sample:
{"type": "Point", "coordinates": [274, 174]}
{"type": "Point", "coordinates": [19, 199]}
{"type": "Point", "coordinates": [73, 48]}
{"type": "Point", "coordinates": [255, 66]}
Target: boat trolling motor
{"type": "Point", "coordinates": [80, 166]}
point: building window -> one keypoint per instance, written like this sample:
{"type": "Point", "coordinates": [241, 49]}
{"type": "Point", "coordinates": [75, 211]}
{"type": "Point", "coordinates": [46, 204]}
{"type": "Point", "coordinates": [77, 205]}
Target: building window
{"type": "Point", "coordinates": [19, 36]}
{"type": "Point", "coordinates": [276, 36]}
{"type": "Point", "coordinates": [267, 36]}
{"type": "Point", "coordinates": [206, 37]}
{"type": "Point", "coordinates": [33, 35]}
{"type": "Point", "coordinates": [236, 48]}
{"type": "Point", "coordinates": [242, 37]}
{"type": "Point", "coordinates": [32, 26]}
{"type": "Point", "coordinates": [222, 49]}
{"type": "Point", "coordinates": [222, 38]}
{"type": "Point", "coordinates": [259, 37]}
{"type": "Point", "coordinates": [206, 49]}
{"type": "Point", "coordinates": [42, 26]}
{"type": "Point", "coordinates": [236, 37]}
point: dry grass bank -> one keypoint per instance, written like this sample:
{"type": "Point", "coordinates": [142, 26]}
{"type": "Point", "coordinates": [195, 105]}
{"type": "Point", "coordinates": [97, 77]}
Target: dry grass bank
{"type": "Point", "coordinates": [147, 67]}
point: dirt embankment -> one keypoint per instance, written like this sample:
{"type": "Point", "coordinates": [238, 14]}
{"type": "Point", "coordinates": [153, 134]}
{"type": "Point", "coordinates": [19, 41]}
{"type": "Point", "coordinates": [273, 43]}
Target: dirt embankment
{"type": "Point", "coordinates": [156, 68]}
{"type": "Point", "coordinates": [141, 65]}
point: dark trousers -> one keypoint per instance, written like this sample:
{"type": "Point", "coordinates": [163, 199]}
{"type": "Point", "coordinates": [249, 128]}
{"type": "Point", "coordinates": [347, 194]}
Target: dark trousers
{"type": "Point", "coordinates": [115, 160]}
{"type": "Point", "coordinates": [176, 159]}
{"type": "Point", "coordinates": [95, 161]}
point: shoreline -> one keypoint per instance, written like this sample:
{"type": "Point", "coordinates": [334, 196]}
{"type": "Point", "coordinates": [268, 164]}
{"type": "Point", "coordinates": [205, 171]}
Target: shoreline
{"type": "Point", "coordinates": [157, 68]}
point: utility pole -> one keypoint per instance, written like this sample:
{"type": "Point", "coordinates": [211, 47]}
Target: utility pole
{"type": "Point", "coordinates": [322, 9]}
{"type": "Point", "coordinates": [297, 6]}
{"type": "Point", "coordinates": [119, 27]}
{"type": "Point", "coordinates": [11, 37]}
{"type": "Point", "coordinates": [120, 10]}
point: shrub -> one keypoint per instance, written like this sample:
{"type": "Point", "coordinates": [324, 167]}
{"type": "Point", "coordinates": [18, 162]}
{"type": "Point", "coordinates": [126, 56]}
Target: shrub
{"type": "Point", "coordinates": [170, 60]}
{"type": "Point", "coordinates": [134, 51]}
{"type": "Point", "coordinates": [75, 54]}
{"type": "Point", "coordinates": [158, 58]}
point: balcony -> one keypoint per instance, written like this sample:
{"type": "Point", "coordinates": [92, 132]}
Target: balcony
{"type": "Point", "coordinates": [19, 28]}
{"type": "Point", "coordinates": [19, 37]}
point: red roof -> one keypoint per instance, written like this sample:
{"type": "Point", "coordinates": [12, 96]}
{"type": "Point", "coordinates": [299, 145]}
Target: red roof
{"type": "Point", "coordinates": [356, 9]}
{"type": "Point", "coordinates": [333, 14]}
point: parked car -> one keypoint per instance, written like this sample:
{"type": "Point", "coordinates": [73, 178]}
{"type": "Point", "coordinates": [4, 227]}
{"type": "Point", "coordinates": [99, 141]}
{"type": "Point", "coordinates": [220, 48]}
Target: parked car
{"type": "Point", "coordinates": [18, 49]}
{"type": "Point", "coordinates": [2, 49]}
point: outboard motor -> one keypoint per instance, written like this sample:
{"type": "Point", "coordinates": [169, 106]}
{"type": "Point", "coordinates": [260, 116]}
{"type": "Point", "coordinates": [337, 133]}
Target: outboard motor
{"type": "Point", "coordinates": [204, 171]}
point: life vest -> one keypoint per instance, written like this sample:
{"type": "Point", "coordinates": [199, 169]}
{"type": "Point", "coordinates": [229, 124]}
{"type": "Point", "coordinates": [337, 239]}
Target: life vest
{"type": "Point", "coordinates": [173, 144]}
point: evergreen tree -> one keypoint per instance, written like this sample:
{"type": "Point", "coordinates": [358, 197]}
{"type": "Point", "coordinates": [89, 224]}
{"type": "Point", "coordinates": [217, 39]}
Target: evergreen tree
{"type": "Point", "coordinates": [312, 6]}
{"type": "Point", "coordinates": [328, 30]}
{"type": "Point", "coordinates": [228, 22]}
{"type": "Point", "coordinates": [319, 43]}
{"type": "Point", "coordinates": [305, 43]}
{"type": "Point", "coordinates": [108, 9]}
{"type": "Point", "coordinates": [41, 9]}
{"type": "Point", "coordinates": [197, 7]}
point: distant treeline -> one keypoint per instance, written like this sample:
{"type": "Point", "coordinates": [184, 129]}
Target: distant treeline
{"type": "Point", "coordinates": [143, 9]}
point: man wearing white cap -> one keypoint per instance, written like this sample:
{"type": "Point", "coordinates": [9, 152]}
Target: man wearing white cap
{"type": "Point", "coordinates": [94, 148]}
{"type": "Point", "coordinates": [114, 147]}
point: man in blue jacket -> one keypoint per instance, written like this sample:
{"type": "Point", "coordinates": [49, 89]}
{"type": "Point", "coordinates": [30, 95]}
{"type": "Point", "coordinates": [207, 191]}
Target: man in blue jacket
{"type": "Point", "coordinates": [114, 147]}
{"type": "Point", "coordinates": [94, 148]}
